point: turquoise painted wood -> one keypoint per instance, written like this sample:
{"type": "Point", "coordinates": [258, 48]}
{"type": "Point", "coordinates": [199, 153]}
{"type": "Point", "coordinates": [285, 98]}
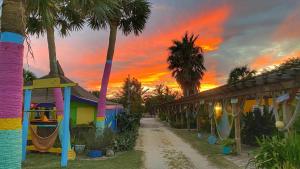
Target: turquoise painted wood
{"type": "Point", "coordinates": [27, 101]}
{"type": "Point", "coordinates": [11, 37]}
{"type": "Point", "coordinates": [66, 132]}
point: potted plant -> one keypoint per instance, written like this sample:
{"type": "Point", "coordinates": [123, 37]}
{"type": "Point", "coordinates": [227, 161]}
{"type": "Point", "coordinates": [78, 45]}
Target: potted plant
{"type": "Point", "coordinates": [227, 146]}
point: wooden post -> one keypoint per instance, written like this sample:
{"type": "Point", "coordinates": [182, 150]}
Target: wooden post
{"type": "Point", "coordinates": [176, 111]}
{"type": "Point", "coordinates": [237, 124]}
{"type": "Point", "coordinates": [211, 114]}
{"type": "Point", "coordinates": [187, 115]}
{"type": "Point", "coordinates": [181, 115]}
{"type": "Point", "coordinates": [196, 108]}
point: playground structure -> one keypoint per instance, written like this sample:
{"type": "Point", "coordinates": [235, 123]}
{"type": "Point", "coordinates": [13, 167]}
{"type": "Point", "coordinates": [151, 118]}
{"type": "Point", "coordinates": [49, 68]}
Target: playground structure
{"type": "Point", "coordinates": [61, 125]}
{"type": "Point", "coordinates": [278, 90]}
{"type": "Point", "coordinates": [83, 105]}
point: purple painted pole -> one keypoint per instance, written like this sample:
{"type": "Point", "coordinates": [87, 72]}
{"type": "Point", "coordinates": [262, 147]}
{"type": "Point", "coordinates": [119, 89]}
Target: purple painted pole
{"type": "Point", "coordinates": [102, 98]}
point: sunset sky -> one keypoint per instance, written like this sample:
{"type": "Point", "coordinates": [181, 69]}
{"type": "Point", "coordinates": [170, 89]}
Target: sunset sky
{"type": "Point", "coordinates": [259, 33]}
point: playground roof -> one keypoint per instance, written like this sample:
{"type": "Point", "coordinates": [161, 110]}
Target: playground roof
{"type": "Point", "coordinates": [78, 93]}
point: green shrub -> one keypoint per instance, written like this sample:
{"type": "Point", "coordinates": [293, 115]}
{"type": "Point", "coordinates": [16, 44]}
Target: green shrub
{"type": "Point", "coordinates": [175, 124]}
{"type": "Point", "coordinates": [79, 133]}
{"type": "Point", "coordinates": [125, 141]}
{"type": "Point", "coordinates": [256, 125]}
{"type": "Point", "coordinates": [278, 153]}
{"type": "Point", "coordinates": [128, 124]}
{"type": "Point", "coordinates": [128, 121]}
{"type": "Point", "coordinates": [103, 142]}
{"type": "Point", "coordinates": [228, 142]}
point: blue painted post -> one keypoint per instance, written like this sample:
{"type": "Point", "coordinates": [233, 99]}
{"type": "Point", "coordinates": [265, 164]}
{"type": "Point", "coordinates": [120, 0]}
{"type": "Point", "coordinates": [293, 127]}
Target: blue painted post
{"type": "Point", "coordinates": [66, 132]}
{"type": "Point", "coordinates": [27, 100]}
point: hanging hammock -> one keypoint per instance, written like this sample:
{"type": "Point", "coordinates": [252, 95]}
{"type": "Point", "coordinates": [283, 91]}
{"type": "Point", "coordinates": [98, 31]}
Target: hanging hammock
{"type": "Point", "coordinates": [43, 144]}
{"type": "Point", "coordinates": [224, 125]}
{"type": "Point", "coordinates": [287, 126]}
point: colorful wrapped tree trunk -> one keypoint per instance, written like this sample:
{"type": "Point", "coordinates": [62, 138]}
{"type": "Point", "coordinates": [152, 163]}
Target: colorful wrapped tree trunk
{"type": "Point", "coordinates": [100, 122]}
{"type": "Point", "coordinates": [59, 103]}
{"type": "Point", "coordinates": [11, 82]}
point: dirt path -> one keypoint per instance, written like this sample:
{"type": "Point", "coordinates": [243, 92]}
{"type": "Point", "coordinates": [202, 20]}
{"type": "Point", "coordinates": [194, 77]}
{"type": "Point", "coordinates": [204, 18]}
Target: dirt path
{"type": "Point", "coordinates": [164, 150]}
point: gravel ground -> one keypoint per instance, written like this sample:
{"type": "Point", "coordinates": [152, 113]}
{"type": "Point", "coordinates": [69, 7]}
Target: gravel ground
{"type": "Point", "coordinates": [164, 150]}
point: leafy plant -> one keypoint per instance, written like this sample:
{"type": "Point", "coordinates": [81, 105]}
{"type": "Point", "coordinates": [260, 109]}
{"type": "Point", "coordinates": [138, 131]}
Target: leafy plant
{"type": "Point", "coordinates": [278, 153]}
{"type": "Point", "coordinates": [256, 125]}
{"type": "Point", "coordinates": [270, 153]}
{"type": "Point", "coordinates": [102, 142]}
{"type": "Point", "coordinates": [125, 141]}
{"type": "Point", "coordinates": [128, 121]}
{"type": "Point", "coordinates": [228, 142]}
{"type": "Point", "coordinates": [128, 124]}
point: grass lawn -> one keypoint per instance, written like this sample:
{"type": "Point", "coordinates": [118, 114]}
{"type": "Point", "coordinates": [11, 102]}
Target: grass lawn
{"type": "Point", "coordinates": [127, 160]}
{"type": "Point", "coordinates": [211, 151]}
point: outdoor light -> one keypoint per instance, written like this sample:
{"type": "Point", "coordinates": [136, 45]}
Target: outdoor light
{"type": "Point", "coordinates": [218, 110]}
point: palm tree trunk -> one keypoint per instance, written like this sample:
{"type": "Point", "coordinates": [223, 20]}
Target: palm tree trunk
{"type": "Point", "coordinates": [11, 83]}
{"type": "Point", "coordinates": [52, 52]}
{"type": "Point", "coordinates": [58, 96]}
{"type": "Point", "coordinates": [54, 71]}
{"type": "Point", "coordinates": [105, 79]}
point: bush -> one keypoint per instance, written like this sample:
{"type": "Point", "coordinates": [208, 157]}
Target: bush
{"type": "Point", "coordinates": [128, 124]}
{"type": "Point", "coordinates": [175, 124]}
{"type": "Point", "coordinates": [79, 134]}
{"type": "Point", "coordinates": [256, 125]}
{"type": "Point", "coordinates": [278, 153]}
{"type": "Point", "coordinates": [125, 141]}
{"type": "Point", "coordinates": [102, 142]}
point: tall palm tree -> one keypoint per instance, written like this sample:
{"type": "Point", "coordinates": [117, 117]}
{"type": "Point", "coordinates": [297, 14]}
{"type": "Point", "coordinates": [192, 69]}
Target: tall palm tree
{"type": "Point", "coordinates": [11, 82]}
{"type": "Point", "coordinates": [187, 63]}
{"type": "Point", "coordinates": [129, 16]}
{"type": "Point", "coordinates": [240, 73]}
{"type": "Point", "coordinates": [45, 16]}
{"type": "Point", "coordinates": [42, 18]}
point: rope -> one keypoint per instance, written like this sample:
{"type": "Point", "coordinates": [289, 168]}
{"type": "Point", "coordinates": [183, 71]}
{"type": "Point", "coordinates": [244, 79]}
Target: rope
{"type": "Point", "coordinates": [43, 144]}
{"type": "Point", "coordinates": [224, 117]}
{"type": "Point", "coordinates": [293, 118]}
{"type": "Point", "coordinates": [11, 72]}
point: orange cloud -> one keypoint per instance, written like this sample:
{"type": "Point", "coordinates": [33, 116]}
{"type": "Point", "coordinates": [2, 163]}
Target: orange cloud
{"type": "Point", "coordinates": [289, 27]}
{"type": "Point", "coordinates": [146, 55]}
{"type": "Point", "coordinates": [263, 61]}
{"type": "Point", "coordinates": [143, 57]}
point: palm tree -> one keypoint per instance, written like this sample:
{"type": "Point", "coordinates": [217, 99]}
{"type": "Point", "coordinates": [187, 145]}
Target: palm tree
{"type": "Point", "coordinates": [28, 76]}
{"type": "Point", "coordinates": [187, 63]}
{"type": "Point", "coordinates": [45, 16]}
{"type": "Point", "coordinates": [42, 18]}
{"type": "Point", "coordinates": [240, 73]}
{"type": "Point", "coordinates": [129, 16]}
{"type": "Point", "coordinates": [11, 82]}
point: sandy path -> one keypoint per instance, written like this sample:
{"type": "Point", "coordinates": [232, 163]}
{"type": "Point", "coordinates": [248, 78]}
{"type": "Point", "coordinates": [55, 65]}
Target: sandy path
{"type": "Point", "coordinates": [164, 150]}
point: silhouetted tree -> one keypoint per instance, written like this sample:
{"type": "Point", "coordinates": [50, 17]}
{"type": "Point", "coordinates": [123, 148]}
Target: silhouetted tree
{"type": "Point", "coordinates": [240, 73]}
{"type": "Point", "coordinates": [186, 62]}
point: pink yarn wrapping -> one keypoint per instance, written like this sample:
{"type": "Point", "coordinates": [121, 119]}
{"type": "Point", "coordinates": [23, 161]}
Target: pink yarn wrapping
{"type": "Point", "coordinates": [11, 80]}
{"type": "Point", "coordinates": [59, 101]}
{"type": "Point", "coordinates": [103, 90]}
